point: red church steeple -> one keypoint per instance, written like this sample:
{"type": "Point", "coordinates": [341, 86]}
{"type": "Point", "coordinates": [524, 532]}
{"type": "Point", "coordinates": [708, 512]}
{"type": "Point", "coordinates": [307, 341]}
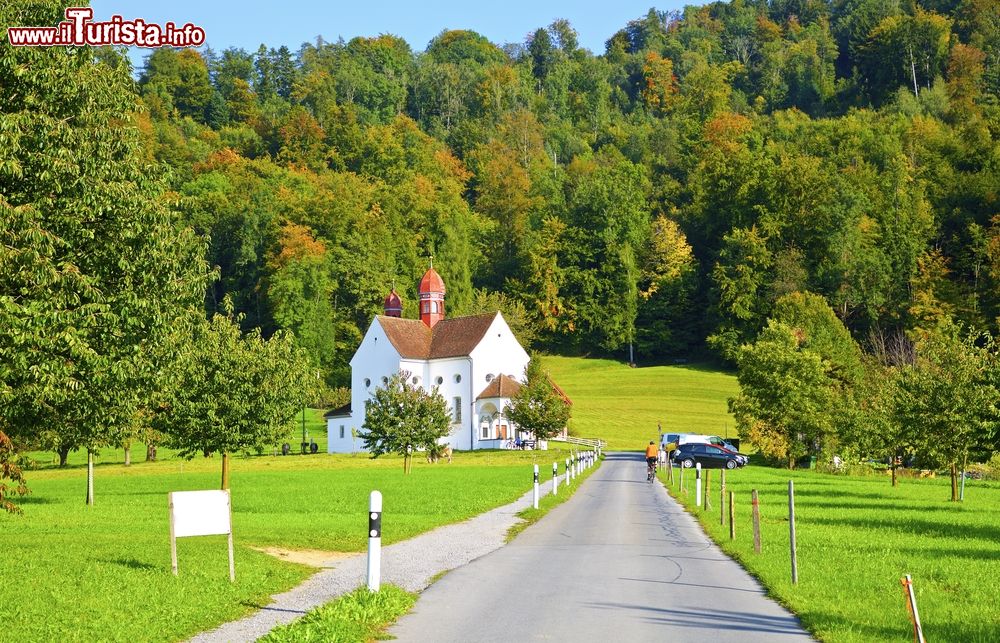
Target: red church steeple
{"type": "Point", "coordinates": [431, 297]}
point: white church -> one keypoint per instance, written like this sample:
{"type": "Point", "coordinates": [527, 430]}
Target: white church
{"type": "Point", "coordinates": [475, 362]}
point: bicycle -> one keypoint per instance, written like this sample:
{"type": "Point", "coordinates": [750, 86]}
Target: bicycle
{"type": "Point", "coordinates": [650, 471]}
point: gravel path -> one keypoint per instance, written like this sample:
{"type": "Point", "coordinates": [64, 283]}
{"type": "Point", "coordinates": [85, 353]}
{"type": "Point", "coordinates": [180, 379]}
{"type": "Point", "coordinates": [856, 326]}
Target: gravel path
{"type": "Point", "coordinates": [410, 564]}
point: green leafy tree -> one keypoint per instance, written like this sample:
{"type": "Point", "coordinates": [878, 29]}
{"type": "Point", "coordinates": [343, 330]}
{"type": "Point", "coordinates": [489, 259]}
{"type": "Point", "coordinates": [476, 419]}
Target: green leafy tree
{"type": "Point", "coordinates": [537, 407]}
{"type": "Point", "coordinates": [948, 399]}
{"type": "Point", "coordinates": [401, 417]}
{"type": "Point", "coordinates": [94, 268]}
{"type": "Point", "coordinates": [786, 395]}
{"type": "Point", "coordinates": [231, 392]}
{"type": "Point", "coordinates": [10, 470]}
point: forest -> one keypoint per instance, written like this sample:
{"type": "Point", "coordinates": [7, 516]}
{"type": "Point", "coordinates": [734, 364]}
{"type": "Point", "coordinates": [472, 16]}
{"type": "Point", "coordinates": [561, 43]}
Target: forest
{"type": "Point", "coordinates": [712, 172]}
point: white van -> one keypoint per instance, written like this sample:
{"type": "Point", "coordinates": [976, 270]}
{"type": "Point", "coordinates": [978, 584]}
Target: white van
{"type": "Point", "coordinates": [696, 438]}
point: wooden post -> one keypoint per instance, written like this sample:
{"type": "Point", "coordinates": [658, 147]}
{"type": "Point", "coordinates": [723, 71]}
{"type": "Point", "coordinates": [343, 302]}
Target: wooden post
{"type": "Point", "coordinates": [232, 568]}
{"type": "Point", "coordinates": [756, 521]}
{"type": "Point", "coordinates": [722, 498]}
{"type": "Point", "coordinates": [708, 491]}
{"type": "Point", "coordinates": [173, 539]}
{"type": "Point", "coordinates": [90, 477]}
{"type": "Point", "coordinates": [681, 483]}
{"type": "Point", "coordinates": [791, 530]}
{"type": "Point", "coordinates": [732, 516]}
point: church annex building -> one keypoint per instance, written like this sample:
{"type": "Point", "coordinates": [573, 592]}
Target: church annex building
{"type": "Point", "coordinates": [475, 362]}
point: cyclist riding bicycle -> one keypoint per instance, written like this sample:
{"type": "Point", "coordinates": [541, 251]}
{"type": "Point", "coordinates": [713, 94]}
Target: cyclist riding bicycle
{"type": "Point", "coordinates": [651, 457]}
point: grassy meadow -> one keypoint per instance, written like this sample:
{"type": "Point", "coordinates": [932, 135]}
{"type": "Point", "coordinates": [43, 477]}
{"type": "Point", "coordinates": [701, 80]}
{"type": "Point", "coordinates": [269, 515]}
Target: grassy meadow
{"type": "Point", "coordinates": [623, 405]}
{"type": "Point", "coordinates": [74, 572]}
{"type": "Point", "coordinates": [856, 538]}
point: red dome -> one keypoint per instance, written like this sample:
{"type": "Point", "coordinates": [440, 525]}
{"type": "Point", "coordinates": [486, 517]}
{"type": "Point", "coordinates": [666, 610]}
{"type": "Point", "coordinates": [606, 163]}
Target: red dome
{"type": "Point", "coordinates": [393, 304]}
{"type": "Point", "coordinates": [431, 282]}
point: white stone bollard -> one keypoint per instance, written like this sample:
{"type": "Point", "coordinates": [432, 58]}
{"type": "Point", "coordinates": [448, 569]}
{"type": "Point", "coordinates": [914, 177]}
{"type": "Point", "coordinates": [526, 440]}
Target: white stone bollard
{"type": "Point", "coordinates": [555, 478]}
{"type": "Point", "coordinates": [534, 495]}
{"type": "Point", "coordinates": [697, 485]}
{"type": "Point", "coordinates": [374, 540]}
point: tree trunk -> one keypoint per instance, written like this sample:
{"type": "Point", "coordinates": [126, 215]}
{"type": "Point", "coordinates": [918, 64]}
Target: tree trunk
{"type": "Point", "coordinates": [225, 470]}
{"type": "Point", "coordinates": [954, 482]}
{"type": "Point", "coordinates": [150, 452]}
{"type": "Point", "coordinates": [406, 464]}
{"type": "Point", "coordinates": [90, 477]}
{"type": "Point", "coordinates": [63, 456]}
{"type": "Point", "coordinates": [791, 462]}
{"type": "Point", "coordinates": [128, 454]}
{"type": "Point", "coordinates": [895, 480]}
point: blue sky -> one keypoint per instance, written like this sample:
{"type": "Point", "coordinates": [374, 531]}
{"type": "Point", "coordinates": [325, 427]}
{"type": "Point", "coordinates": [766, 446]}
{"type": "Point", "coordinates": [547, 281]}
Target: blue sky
{"type": "Point", "coordinates": [292, 22]}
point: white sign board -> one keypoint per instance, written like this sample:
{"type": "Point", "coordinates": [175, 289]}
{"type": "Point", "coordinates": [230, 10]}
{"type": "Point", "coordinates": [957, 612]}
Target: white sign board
{"type": "Point", "coordinates": [200, 513]}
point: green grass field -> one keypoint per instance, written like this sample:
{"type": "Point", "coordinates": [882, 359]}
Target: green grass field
{"type": "Point", "coordinates": [856, 537]}
{"type": "Point", "coordinates": [73, 572]}
{"type": "Point", "coordinates": [623, 405]}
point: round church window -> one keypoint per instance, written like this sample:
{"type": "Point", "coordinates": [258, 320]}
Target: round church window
{"type": "Point", "coordinates": [458, 378]}
{"type": "Point", "coordinates": [439, 381]}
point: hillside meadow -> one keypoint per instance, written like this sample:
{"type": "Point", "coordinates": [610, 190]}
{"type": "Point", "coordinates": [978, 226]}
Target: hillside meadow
{"type": "Point", "coordinates": [856, 538]}
{"type": "Point", "coordinates": [623, 405]}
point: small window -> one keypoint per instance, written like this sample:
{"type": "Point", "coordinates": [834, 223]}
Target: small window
{"type": "Point", "coordinates": [434, 307]}
{"type": "Point", "coordinates": [489, 377]}
{"type": "Point", "coordinates": [439, 380]}
{"type": "Point", "coordinates": [484, 432]}
{"type": "Point", "coordinates": [415, 380]}
{"type": "Point", "coordinates": [385, 380]}
{"type": "Point", "coordinates": [426, 307]}
{"type": "Point", "coordinates": [458, 410]}
{"type": "Point", "coordinates": [458, 378]}
{"type": "Point", "coordinates": [341, 431]}
{"type": "Point", "coordinates": [368, 383]}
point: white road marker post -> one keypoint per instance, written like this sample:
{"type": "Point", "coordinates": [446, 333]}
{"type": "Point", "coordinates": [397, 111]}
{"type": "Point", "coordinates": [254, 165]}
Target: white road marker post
{"type": "Point", "coordinates": [374, 540]}
{"type": "Point", "coordinates": [791, 531]}
{"type": "Point", "coordinates": [567, 471]}
{"type": "Point", "coordinates": [697, 484]}
{"type": "Point", "coordinates": [555, 478]}
{"type": "Point", "coordinates": [534, 494]}
{"type": "Point", "coordinates": [918, 631]}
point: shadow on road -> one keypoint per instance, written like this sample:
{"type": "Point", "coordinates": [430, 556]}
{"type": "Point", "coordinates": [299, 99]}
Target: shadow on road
{"type": "Point", "coordinates": [712, 619]}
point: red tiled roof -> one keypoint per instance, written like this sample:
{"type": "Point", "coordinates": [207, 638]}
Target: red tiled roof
{"type": "Point", "coordinates": [455, 337]}
{"type": "Point", "coordinates": [503, 386]}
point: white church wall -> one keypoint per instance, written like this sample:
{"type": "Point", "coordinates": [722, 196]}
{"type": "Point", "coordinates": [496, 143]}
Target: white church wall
{"type": "Point", "coordinates": [375, 359]}
{"type": "Point", "coordinates": [455, 376]}
{"type": "Point", "coordinates": [497, 353]}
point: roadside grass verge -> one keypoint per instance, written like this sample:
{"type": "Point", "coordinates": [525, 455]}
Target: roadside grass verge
{"type": "Point", "coordinates": [623, 405]}
{"type": "Point", "coordinates": [548, 502]}
{"type": "Point", "coordinates": [856, 537]}
{"type": "Point", "coordinates": [74, 572]}
{"type": "Point", "coordinates": [357, 617]}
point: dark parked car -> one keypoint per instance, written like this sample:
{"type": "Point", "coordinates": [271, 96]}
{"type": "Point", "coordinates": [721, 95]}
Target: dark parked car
{"type": "Point", "coordinates": [709, 455]}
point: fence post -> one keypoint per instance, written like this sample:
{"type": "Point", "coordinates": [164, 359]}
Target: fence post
{"type": "Point", "coordinates": [697, 484]}
{"type": "Point", "coordinates": [555, 478]}
{"type": "Point", "coordinates": [732, 516]}
{"type": "Point", "coordinates": [722, 498]}
{"type": "Point", "coordinates": [756, 521]}
{"type": "Point", "coordinates": [374, 540]}
{"type": "Point", "coordinates": [791, 531]}
{"type": "Point", "coordinates": [680, 484]}
{"type": "Point", "coordinates": [708, 479]}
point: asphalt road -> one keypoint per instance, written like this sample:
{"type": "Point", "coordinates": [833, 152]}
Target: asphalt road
{"type": "Point", "coordinates": [620, 561]}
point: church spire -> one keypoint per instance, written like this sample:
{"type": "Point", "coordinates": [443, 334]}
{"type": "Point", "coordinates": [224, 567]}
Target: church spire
{"type": "Point", "coordinates": [431, 295]}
